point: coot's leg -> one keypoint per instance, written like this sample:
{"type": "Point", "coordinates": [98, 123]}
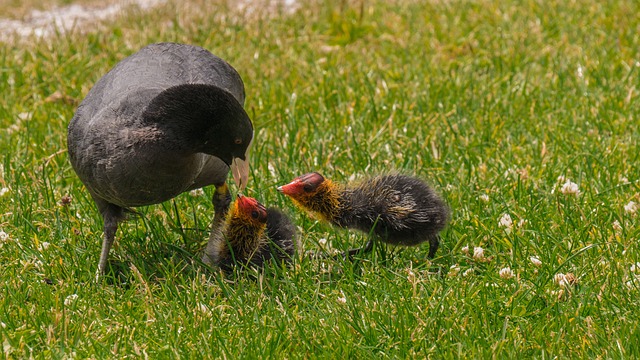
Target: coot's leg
{"type": "Point", "coordinates": [111, 215]}
{"type": "Point", "coordinates": [221, 202]}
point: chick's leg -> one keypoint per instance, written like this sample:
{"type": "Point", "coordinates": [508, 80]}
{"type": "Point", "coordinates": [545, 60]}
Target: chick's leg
{"type": "Point", "coordinates": [434, 243]}
{"type": "Point", "coordinates": [221, 202]}
{"type": "Point", "coordinates": [361, 250]}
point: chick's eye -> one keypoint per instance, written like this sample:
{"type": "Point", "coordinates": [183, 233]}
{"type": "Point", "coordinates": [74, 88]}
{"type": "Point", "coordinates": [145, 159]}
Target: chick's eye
{"type": "Point", "coordinates": [307, 188]}
{"type": "Point", "coordinates": [254, 214]}
{"type": "Point", "coordinates": [237, 141]}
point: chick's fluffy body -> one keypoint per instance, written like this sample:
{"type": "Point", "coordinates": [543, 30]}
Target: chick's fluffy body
{"type": "Point", "coordinates": [403, 209]}
{"type": "Point", "coordinates": [237, 238]}
{"type": "Point", "coordinates": [399, 209]}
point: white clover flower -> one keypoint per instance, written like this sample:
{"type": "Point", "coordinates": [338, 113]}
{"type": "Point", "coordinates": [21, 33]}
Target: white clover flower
{"type": "Point", "coordinates": [203, 308]}
{"type": "Point", "coordinates": [570, 188]}
{"type": "Point", "coordinates": [411, 276]}
{"type": "Point", "coordinates": [631, 207]}
{"type": "Point", "coordinates": [508, 172]}
{"type": "Point", "coordinates": [484, 197]}
{"type": "Point", "coordinates": [3, 236]}
{"type": "Point", "coordinates": [478, 253]}
{"type": "Point", "coordinates": [454, 270]}
{"type": "Point", "coordinates": [565, 280]}
{"type": "Point", "coordinates": [196, 192]}
{"type": "Point", "coordinates": [616, 225]}
{"type": "Point", "coordinates": [70, 299]}
{"type": "Point", "coordinates": [535, 261]}
{"type": "Point", "coordinates": [43, 246]}
{"type": "Point", "coordinates": [467, 272]}
{"type": "Point", "coordinates": [342, 299]}
{"type": "Point", "coordinates": [570, 279]}
{"type": "Point", "coordinates": [524, 173]}
{"type": "Point", "coordinates": [322, 241]}
{"type": "Point", "coordinates": [465, 250]}
{"type": "Point", "coordinates": [631, 283]}
{"type": "Point", "coordinates": [505, 222]}
{"type": "Point", "coordinates": [623, 179]}
{"type": "Point", "coordinates": [557, 293]}
{"type": "Point", "coordinates": [4, 191]}
{"type": "Point", "coordinates": [579, 71]}
{"type": "Point", "coordinates": [272, 170]}
{"type": "Point", "coordinates": [559, 279]}
{"type": "Point", "coordinates": [506, 273]}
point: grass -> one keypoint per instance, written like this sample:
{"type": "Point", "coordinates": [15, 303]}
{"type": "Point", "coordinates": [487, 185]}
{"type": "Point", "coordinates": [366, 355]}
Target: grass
{"type": "Point", "coordinates": [490, 101]}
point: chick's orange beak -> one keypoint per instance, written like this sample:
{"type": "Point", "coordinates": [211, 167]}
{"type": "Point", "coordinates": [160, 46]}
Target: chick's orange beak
{"type": "Point", "coordinates": [293, 189]}
{"type": "Point", "coordinates": [246, 203]}
{"type": "Point", "coordinates": [307, 183]}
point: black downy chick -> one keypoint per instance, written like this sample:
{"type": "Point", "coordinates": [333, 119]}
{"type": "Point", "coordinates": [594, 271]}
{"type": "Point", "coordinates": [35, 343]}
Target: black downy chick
{"type": "Point", "coordinates": [248, 234]}
{"type": "Point", "coordinates": [165, 120]}
{"type": "Point", "coordinates": [398, 209]}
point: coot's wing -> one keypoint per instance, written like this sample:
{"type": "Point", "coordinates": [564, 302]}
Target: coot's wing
{"type": "Point", "coordinates": [155, 68]}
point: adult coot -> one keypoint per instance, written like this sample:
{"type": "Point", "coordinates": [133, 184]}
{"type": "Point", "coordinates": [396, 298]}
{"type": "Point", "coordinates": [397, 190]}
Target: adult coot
{"type": "Point", "coordinates": [165, 120]}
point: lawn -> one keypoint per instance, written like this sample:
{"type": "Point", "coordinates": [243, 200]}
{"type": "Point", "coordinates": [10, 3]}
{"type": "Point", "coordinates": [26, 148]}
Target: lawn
{"type": "Point", "coordinates": [524, 115]}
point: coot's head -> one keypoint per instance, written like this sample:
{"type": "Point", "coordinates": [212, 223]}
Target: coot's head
{"type": "Point", "coordinates": [207, 119]}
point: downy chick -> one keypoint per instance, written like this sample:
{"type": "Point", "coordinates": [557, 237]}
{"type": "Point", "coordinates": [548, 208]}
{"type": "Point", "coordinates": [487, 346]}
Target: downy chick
{"type": "Point", "coordinates": [248, 234]}
{"type": "Point", "coordinates": [398, 209]}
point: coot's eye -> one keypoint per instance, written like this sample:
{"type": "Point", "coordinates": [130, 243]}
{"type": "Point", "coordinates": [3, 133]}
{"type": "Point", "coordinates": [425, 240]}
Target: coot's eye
{"type": "Point", "coordinates": [254, 214]}
{"type": "Point", "coordinates": [237, 141]}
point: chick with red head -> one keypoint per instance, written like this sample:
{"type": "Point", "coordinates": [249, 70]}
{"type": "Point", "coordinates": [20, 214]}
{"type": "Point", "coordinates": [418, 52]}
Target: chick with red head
{"type": "Point", "coordinates": [397, 209]}
{"type": "Point", "coordinates": [246, 233]}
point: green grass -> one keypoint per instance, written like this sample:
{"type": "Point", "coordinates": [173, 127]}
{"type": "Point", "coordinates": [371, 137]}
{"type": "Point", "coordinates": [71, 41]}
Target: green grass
{"type": "Point", "coordinates": [495, 98]}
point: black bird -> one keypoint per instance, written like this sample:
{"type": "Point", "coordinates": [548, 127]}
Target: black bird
{"type": "Point", "coordinates": [398, 209]}
{"type": "Point", "coordinates": [165, 120]}
{"type": "Point", "coordinates": [249, 234]}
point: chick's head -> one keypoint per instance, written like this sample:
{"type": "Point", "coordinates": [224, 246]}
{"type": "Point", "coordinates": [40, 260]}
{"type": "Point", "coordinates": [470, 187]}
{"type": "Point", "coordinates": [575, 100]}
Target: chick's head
{"type": "Point", "coordinates": [314, 193]}
{"type": "Point", "coordinates": [250, 210]}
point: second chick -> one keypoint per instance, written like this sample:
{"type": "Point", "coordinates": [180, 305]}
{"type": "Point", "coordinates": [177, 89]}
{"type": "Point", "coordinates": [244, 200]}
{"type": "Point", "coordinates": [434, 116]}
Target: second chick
{"type": "Point", "coordinates": [248, 234]}
{"type": "Point", "coordinates": [399, 209]}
